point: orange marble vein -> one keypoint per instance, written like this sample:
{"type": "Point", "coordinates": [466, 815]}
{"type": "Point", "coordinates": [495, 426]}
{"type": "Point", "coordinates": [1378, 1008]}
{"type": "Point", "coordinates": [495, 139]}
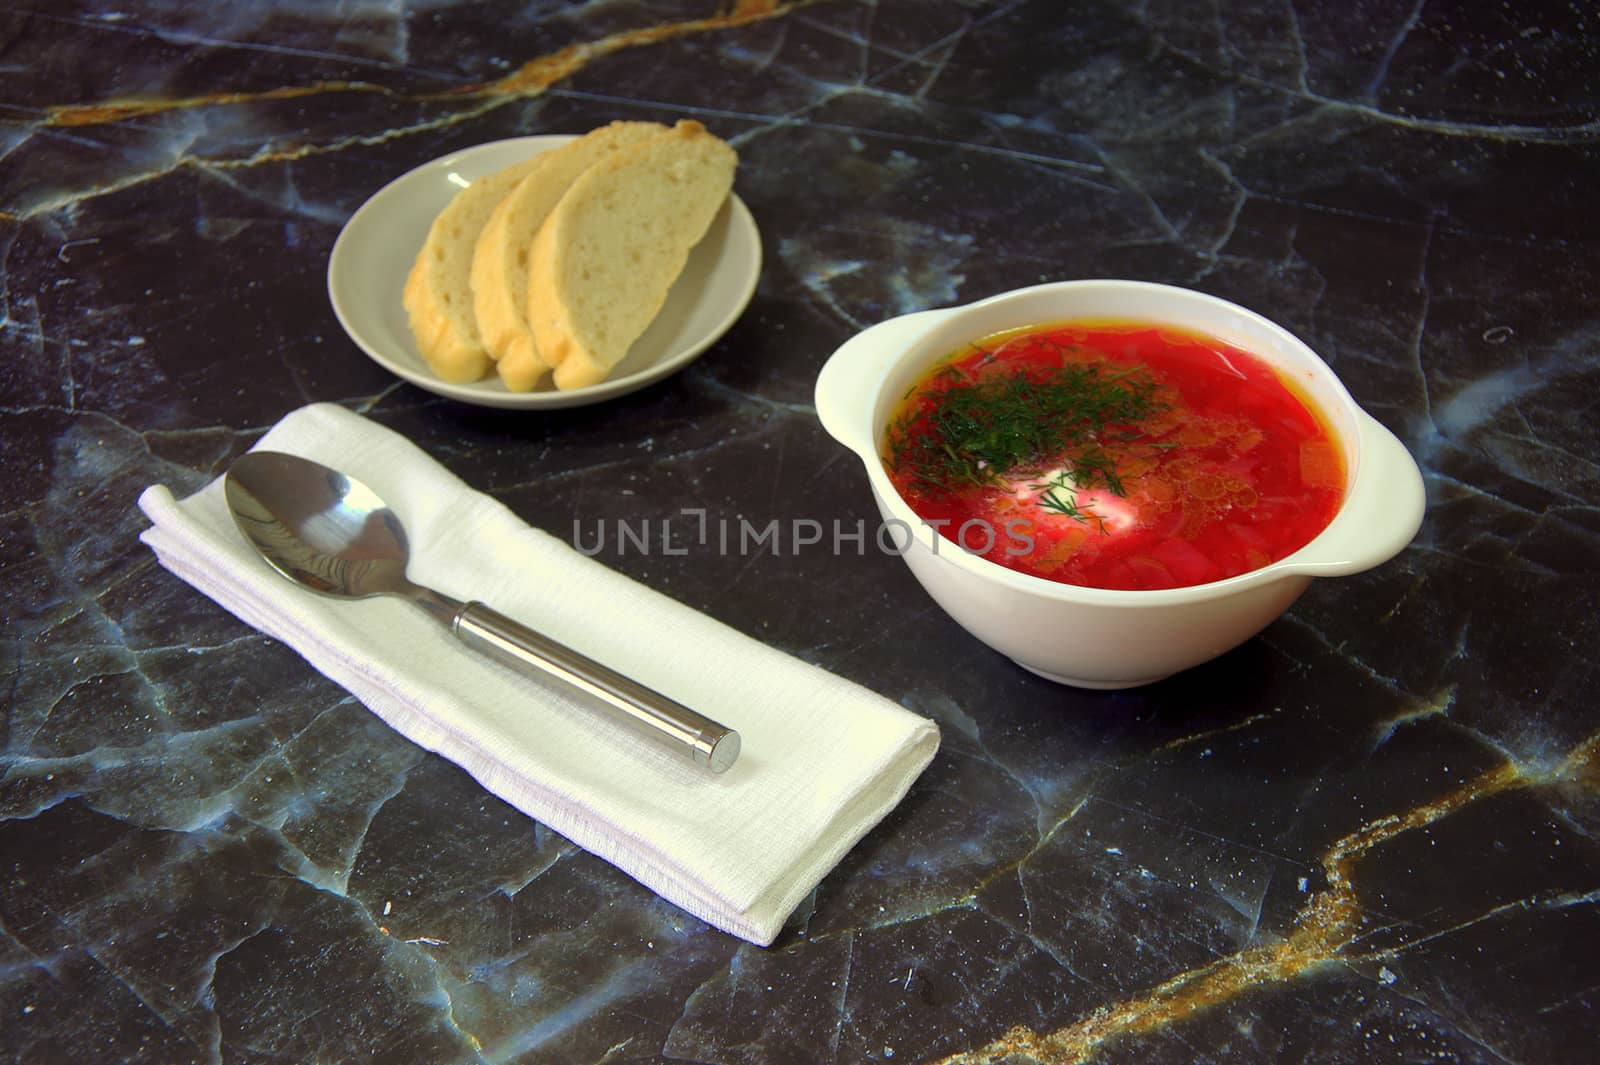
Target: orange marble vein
{"type": "Point", "coordinates": [541, 73]}
{"type": "Point", "coordinates": [1324, 929]}
{"type": "Point", "coordinates": [531, 78]}
{"type": "Point", "coordinates": [1222, 730]}
{"type": "Point", "coordinates": [1582, 766]}
{"type": "Point", "coordinates": [138, 107]}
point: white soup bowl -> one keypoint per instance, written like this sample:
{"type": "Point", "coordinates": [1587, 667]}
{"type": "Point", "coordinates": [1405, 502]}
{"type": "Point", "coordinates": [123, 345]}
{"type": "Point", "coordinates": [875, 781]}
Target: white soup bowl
{"type": "Point", "coordinates": [1096, 637]}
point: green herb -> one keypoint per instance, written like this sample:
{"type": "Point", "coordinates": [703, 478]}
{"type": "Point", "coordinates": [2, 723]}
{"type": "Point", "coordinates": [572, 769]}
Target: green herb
{"type": "Point", "coordinates": [1070, 480]}
{"type": "Point", "coordinates": [973, 432]}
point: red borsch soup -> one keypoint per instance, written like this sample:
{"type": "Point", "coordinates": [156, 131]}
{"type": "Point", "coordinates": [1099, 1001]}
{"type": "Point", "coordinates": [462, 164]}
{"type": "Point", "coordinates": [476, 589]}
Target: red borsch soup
{"type": "Point", "coordinates": [1115, 454]}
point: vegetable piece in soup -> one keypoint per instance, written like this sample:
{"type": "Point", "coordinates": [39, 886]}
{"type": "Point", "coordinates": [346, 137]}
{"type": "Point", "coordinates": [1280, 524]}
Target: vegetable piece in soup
{"type": "Point", "coordinates": [1115, 455]}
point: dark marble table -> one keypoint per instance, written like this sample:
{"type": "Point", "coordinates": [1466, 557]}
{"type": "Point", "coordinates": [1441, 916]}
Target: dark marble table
{"type": "Point", "coordinates": [1370, 834]}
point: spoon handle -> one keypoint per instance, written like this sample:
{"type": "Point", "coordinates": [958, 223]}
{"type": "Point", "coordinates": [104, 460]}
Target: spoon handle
{"type": "Point", "coordinates": [706, 742]}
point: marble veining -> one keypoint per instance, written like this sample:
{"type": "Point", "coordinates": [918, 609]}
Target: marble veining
{"type": "Point", "coordinates": [1372, 834]}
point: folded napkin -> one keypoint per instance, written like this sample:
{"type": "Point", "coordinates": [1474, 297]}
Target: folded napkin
{"type": "Point", "coordinates": [823, 759]}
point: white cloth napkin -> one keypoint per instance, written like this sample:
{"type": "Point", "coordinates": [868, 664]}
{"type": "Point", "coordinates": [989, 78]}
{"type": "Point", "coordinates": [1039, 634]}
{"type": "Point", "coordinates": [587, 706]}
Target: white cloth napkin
{"type": "Point", "coordinates": [823, 759]}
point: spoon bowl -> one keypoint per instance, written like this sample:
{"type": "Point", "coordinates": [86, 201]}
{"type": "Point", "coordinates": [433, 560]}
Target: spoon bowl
{"type": "Point", "coordinates": [328, 532]}
{"type": "Point", "coordinates": [317, 526]}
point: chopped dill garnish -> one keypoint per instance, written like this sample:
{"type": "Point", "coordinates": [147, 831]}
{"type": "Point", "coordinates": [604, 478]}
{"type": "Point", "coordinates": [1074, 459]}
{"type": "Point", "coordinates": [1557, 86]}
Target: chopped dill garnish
{"type": "Point", "coordinates": [972, 432]}
{"type": "Point", "coordinates": [1051, 499]}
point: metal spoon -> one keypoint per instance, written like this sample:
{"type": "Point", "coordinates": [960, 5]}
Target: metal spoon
{"type": "Point", "coordinates": [332, 534]}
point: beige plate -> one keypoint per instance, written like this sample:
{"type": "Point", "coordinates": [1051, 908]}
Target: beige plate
{"type": "Point", "coordinates": [375, 250]}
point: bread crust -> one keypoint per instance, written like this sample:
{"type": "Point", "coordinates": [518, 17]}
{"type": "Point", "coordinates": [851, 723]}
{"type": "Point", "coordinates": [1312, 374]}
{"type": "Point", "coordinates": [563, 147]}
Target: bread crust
{"type": "Point", "coordinates": [604, 260]}
{"type": "Point", "coordinates": [438, 290]}
{"type": "Point", "coordinates": [499, 277]}
{"type": "Point", "coordinates": [563, 260]}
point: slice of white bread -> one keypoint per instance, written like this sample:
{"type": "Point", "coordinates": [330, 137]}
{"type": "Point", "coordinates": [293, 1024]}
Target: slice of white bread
{"type": "Point", "coordinates": [500, 260]}
{"type": "Point", "coordinates": [603, 262]}
{"type": "Point", "coordinates": [438, 291]}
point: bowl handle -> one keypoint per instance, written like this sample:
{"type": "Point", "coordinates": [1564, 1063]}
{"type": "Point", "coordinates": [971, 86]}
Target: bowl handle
{"type": "Point", "coordinates": [1381, 516]}
{"type": "Point", "coordinates": [849, 381]}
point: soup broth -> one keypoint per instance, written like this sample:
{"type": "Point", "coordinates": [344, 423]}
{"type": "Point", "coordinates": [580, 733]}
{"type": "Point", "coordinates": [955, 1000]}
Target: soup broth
{"type": "Point", "coordinates": [1115, 455]}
